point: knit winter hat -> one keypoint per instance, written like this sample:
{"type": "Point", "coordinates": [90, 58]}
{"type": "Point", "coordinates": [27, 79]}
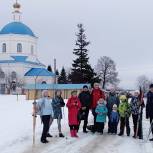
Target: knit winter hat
{"type": "Point", "coordinates": [151, 86]}
{"type": "Point", "coordinates": [123, 98]}
{"type": "Point", "coordinates": [114, 106]}
{"type": "Point", "coordinates": [85, 86]}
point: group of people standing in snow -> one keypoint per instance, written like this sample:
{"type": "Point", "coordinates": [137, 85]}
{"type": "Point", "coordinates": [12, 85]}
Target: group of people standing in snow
{"type": "Point", "coordinates": [116, 107]}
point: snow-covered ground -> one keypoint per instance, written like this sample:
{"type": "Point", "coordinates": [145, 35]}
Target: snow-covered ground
{"type": "Point", "coordinates": [16, 134]}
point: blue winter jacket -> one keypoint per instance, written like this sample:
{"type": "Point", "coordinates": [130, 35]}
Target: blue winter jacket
{"type": "Point", "coordinates": [101, 111]}
{"type": "Point", "coordinates": [44, 106]}
{"type": "Point", "coordinates": [114, 117]}
{"type": "Point", "coordinates": [57, 103]}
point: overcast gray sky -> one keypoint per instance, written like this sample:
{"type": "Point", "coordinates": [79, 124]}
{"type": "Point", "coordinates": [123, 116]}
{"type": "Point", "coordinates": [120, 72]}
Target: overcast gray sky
{"type": "Point", "coordinates": [121, 29]}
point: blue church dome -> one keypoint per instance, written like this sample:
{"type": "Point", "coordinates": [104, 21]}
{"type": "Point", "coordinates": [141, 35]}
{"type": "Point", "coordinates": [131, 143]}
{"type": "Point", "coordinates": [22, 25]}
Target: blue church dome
{"type": "Point", "coordinates": [17, 28]}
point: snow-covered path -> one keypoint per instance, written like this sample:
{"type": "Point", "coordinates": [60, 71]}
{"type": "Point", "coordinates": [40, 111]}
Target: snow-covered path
{"type": "Point", "coordinates": [16, 134]}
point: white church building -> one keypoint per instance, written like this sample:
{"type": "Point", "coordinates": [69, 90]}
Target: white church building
{"type": "Point", "coordinates": [18, 55]}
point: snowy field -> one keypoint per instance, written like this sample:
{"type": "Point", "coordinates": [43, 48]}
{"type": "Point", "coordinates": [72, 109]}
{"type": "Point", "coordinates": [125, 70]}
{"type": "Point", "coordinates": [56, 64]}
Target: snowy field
{"type": "Point", "coordinates": [16, 134]}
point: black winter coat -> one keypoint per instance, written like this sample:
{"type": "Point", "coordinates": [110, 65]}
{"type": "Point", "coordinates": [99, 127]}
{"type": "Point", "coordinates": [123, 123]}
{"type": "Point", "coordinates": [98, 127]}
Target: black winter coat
{"type": "Point", "coordinates": [85, 99]}
{"type": "Point", "coordinates": [111, 100]}
{"type": "Point", "coordinates": [149, 105]}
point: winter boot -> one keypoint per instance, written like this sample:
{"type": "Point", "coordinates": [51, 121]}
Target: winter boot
{"type": "Point", "coordinates": [44, 141]}
{"type": "Point", "coordinates": [49, 135]}
{"type": "Point", "coordinates": [75, 134]}
{"type": "Point", "coordinates": [61, 135]}
{"type": "Point", "coordinates": [72, 133]}
{"type": "Point", "coordinates": [151, 139]}
{"type": "Point", "coordinates": [134, 136]}
{"type": "Point", "coordinates": [120, 134]}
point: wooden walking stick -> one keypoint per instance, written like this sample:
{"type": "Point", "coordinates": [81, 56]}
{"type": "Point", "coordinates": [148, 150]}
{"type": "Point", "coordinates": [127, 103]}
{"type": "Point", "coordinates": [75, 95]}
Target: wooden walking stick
{"type": "Point", "coordinates": [34, 114]}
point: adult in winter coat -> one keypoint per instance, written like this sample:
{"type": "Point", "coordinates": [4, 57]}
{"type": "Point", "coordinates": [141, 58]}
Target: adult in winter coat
{"type": "Point", "coordinates": [101, 111]}
{"type": "Point", "coordinates": [74, 106]}
{"type": "Point", "coordinates": [57, 104]}
{"type": "Point", "coordinates": [45, 110]}
{"type": "Point", "coordinates": [96, 94]}
{"type": "Point", "coordinates": [124, 112]}
{"type": "Point", "coordinates": [135, 105]}
{"type": "Point", "coordinates": [85, 99]}
{"type": "Point", "coordinates": [111, 100]}
{"type": "Point", "coordinates": [149, 107]}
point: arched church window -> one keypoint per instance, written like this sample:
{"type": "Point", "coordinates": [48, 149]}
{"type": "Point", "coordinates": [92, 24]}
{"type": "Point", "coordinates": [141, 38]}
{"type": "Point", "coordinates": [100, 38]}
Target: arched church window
{"type": "Point", "coordinates": [13, 75]}
{"type": "Point", "coordinates": [44, 82]}
{"type": "Point", "coordinates": [4, 47]}
{"type": "Point", "coordinates": [2, 75]}
{"type": "Point", "coordinates": [19, 47]}
{"type": "Point", "coordinates": [32, 49]}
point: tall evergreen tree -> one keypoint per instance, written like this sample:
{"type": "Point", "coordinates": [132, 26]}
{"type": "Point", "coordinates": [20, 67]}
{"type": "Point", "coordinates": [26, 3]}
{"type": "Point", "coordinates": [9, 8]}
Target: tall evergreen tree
{"type": "Point", "coordinates": [62, 77]}
{"type": "Point", "coordinates": [49, 68]}
{"type": "Point", "coordinates": [81, 71]}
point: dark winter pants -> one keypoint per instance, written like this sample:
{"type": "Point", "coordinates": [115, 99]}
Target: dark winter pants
{"type": "Point", "coordinates": [113, 127]}
{"type": "Point", "coordinates": [135, 123]}
{"type": "Point", "coordinates": [85, 119]}
{"type": "Point", "coordinates": [100, 127]}
{"type": "Point", "coordinates": [124, 121]}
{"type": "Point", "coordinates": [151, 119]}
{"type": "Point", "coordinates": [95, 115]}
{"type": "Point", "coordinates": [45, 121]}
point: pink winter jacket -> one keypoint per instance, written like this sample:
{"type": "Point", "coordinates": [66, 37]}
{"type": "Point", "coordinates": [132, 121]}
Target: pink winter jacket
{"type": "Point", "coordinates": [74, 106]}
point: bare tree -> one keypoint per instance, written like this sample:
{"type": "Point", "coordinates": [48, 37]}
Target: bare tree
{"type": "Point", "coordinates": [106, 70]}
{"type": "Point", "coordinates": [143, 82]}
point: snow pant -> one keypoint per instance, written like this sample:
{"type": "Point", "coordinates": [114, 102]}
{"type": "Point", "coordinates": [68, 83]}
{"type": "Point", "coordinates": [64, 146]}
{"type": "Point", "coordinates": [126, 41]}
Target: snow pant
{"type": "Point", "coordinates": [85, 119]}
{"type": "Point", "coordinates": [100, 127]}
{"type": "Point", "coordinates": [45, 120]}
{"type": "Point", "coordinates": [137, 125]}
{"type": "Point", "coordinates": [58, 124]}
{"type": "Point", "coordinates": [95, 115]}
{"type": "Point", "coordinates": [109, 124]}
{"type": "Point", "coordinates": [124, 122]}
{"type": "Point", "coordinates": [113, 127]}
{"type": "Point", "coordinates": [151, 120]}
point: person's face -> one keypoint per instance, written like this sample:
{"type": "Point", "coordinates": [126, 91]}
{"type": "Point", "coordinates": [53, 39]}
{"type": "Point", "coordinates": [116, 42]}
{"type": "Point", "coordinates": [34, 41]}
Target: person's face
{"type": "Point", "coordinates": [74, 94]}
{"type": "Point", "coordinates": [96, 86]}
{"type": "Point", "coordinates": [46, 94]}
{"type": "Point", "coordinates": [85, 89]}
{"type": "Point", "coordinates": [151, 89]}
{"type": "Point", "coordinates": [115, 108]}
{"type": "Point", "coordinates": [101, 101]}
{"type": "Point", "coordinates": [58, 93]}
{"type": "Point", "coordinates": [136, 94]}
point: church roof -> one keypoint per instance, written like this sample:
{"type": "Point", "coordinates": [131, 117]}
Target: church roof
{"type": "Point", "coordinates": [21, 59]}
{"type": "Point", "coordinates": [39, 72]}
{"type": "Point", "coordinates": [17, 28]}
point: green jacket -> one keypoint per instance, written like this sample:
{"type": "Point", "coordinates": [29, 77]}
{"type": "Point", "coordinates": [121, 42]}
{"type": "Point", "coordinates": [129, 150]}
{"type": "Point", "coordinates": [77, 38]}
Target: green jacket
{"type": "Point", "coordinates": [124, 109]}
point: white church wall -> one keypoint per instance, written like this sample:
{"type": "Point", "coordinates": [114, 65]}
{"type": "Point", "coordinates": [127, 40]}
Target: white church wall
{"type": "Point", "coordinates": [40, 79]}
{"type": "Point", "coordinates": [12, 40]}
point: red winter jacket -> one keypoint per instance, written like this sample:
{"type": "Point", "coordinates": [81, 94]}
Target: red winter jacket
{"type": "Point", "coordinates": [74, 106]}
{"type": "Point", "coordinates": [96, 95]}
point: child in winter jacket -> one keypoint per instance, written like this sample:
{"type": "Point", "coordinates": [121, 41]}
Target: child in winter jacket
{"type": "Point", "coordinates": [101, 111]}
{"type": "Point", "coordinates": [125, 112]}
{"type": "Point", "coordinates": [73, 106]}
{"type": "Point", "coordinates": [114, 119]}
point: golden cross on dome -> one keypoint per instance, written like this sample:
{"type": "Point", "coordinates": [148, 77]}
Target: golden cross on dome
{"type": "Point", "coordinates": [16, 13]}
